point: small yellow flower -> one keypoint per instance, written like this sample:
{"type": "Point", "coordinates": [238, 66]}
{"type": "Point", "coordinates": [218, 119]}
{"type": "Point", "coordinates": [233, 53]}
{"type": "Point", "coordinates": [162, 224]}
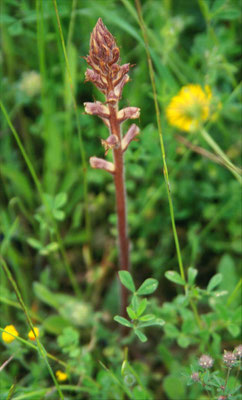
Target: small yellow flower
{"type": "Point", "coordinates": [61, 376]}
{"type": "Point", "coordinates": [7, 337]}
{"type": "Point", "coordinates": [190, 107]}
{"type": "Point", "coordinates": [31, 333]}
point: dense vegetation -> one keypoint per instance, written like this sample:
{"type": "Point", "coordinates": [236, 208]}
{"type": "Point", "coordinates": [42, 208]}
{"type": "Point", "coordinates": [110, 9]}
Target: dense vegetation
{"type": "Point", "coordinates": [58, 224]}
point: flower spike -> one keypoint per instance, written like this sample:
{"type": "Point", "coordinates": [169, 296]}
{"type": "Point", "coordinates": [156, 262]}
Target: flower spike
{"type": "Point", "coordinates": [109, 77]}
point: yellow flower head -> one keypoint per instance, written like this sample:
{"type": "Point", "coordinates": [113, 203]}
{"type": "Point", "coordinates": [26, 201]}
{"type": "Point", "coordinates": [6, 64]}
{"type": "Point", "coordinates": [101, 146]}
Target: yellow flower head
{"type": "Point", "coordinates": [31, 333]}
{"type": "Point", "coordinates": [61, 376]}
{"type": "Point", "coordinates": [190, 107]}
{"type": "Point", "coordinates": [7, 337]}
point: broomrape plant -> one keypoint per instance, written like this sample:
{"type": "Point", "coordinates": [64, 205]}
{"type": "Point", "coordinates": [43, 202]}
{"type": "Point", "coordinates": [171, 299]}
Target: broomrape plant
{"type": "Point", "coordinates": [110, 77]}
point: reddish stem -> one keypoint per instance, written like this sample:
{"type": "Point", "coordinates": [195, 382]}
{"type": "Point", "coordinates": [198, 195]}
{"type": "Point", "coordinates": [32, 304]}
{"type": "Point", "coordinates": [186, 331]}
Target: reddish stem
{"type": "Point", "coordinates": [120, 190]}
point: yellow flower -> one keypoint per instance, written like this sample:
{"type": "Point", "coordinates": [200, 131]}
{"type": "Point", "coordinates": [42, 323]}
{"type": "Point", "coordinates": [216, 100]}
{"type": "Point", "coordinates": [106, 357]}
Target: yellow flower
{"type": "Point", "coordinates": [61, 376]}
{"type": "Point", "coordinates": [7, 337]}
{"type": "Point", "coordinates": [31, 333]}
{"type": "Point", "coordinates": [190, 107]}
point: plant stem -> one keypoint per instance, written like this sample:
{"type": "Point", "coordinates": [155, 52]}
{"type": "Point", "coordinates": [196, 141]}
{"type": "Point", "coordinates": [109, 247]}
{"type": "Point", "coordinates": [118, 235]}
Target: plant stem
{"type": "Point", "coordinates": [234, 293]}
{"type": "Point", "coordinates": [120, 190]}
{"type": "Point", "coordinates": [233, 169]}
{"type": "Point", "coordinates": [166, 175]}
{"type": "Point", "coordinates": [227, 377]}
{"type": "Point", "coordinates": [196, 315]}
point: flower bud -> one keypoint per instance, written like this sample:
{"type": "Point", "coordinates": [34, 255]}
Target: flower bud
{"type": "Point", "coordinates": [99, 163]}
{"type": "Point", "coordinates": [110, 143]}
{"type": "Point", "coordinates": [205, 361]}
{"type": "Point", "coordinates": [195, 377]}
{"type": "Point", "coordinates": [128, 113]}
{"type": "Point", "coordinates": [238, 351]}
{"type": "Point", "coordinates": [229, 358]}
{"type": "Point", "coordinates": [130, 135]}
{"type": "Point", "coordinates": [97, 108]}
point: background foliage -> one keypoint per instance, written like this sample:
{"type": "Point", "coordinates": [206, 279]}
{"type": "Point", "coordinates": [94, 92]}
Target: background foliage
{"type": "Point", "coordinates": [42, 237]}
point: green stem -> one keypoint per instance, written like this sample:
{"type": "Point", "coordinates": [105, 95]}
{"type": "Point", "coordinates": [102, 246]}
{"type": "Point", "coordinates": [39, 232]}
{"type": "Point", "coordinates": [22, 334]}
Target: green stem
{"type": "Point", "coordinates": [227, 377]}
{"type": "Point", "coordinates": [54, 358]}
{"type": "Point", "coordinates": [166, 175]}
{"type": "Point", "coordinates": [72, 23]}
{"type": "Point", "coordinates": [196, 315]}
{"type": "Point", "coordinates": [233, 169]}
{"type": "Point", "coordinates": [41, 348]}
{"type": "Point", "coordinates": [42, 197]}
{"type": "Point", "coordinates": [82, 150]}
{"type": "Point", "coordinates": [234, 293]}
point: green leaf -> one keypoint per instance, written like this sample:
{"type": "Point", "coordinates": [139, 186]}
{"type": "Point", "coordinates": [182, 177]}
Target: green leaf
{"type": "Point", "coordinates": [147, 317]}
{"type": "Point", "coordinates": [183, 341]}
{"type": "Point", "coordinates": [60, 200]}
{"type": "Point", "coordinates": [214, 281]}
{"type": "Point", "coordinates": [131, 313]}
{"type": "Point", "coordinates": [173, 276]}
{"type": "Point", "coordinates": [153, 322]}
{"type": "Point", "coordinates": [142, 337]}
{"type": "Point", "coordinates": [147, 287]}
{"type": "Point", "coordinates": [171, 331]}
{"type": "Point", "coordinates": [174, 387]}
{"type": "Point", "coordinates": [233, 329]}
{"type": "Point", "coordinates": [135, 303]}
{"type": "Point", "coordinates": [50, 248]}
{"type": "Point", "coordinates": [55, 324]}
{"type": "Point", "coordinates": [192, 273]}
{"type": "Point", "coordinates": [34, 243]}
{"type": "Point", "coordinates": [123, 321]}
{"type": "Point", "coordinates": [59, 215]}
{"type": "Point", "coordinates": [140, 393]}
{"type": "Point", "coordinates": [16, 28]}
{"type": "Point", "coordinates": [127, 280]}
{"type": "Point", "coordinates": [45, 295]}
{"type": "Point", "coordinates": [142, 307]}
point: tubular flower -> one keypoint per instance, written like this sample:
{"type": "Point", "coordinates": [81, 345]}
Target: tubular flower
{"type": "Point", "coordinates": [8, 337]}
{"type": "Point", "coordinates": [61, 376]}
{"type": "Point", "coordinates": [190, 108]}
{"type": "Point", "coordinates": [109, 76]}
{"type": "Point", "coordinates": [31, 335]}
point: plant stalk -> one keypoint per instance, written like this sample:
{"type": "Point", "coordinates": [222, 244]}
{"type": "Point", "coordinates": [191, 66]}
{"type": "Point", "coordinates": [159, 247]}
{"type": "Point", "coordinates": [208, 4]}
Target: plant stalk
{"type": "Point", "coordinates": [120, 189]}
{"type": "Point", "coordinates": [109, 77]}
{"type": "Point", "coordinates": [233, 169]}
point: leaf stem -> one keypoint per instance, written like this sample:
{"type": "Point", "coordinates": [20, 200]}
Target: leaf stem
{"type": "Point", "coordinates": [233, 169]}
{"type": "Point", "coordinates": [234, 293]}
{"type": "Point", "coordinates": [166, 175]}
